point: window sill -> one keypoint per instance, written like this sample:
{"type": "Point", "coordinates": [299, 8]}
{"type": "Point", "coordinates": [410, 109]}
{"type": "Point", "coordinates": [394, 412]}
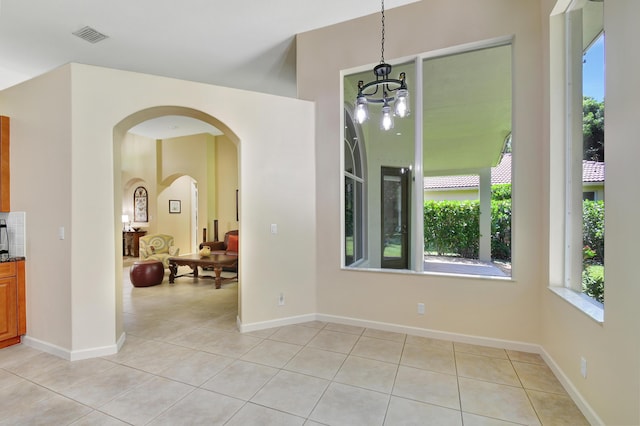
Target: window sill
{"type": "Point", "coordinates": [590, 307]}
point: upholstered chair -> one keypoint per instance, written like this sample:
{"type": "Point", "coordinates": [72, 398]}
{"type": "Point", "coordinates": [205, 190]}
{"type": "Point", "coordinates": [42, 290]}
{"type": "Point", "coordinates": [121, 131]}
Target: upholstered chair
{"type": "Point", "coordinates": [158, 247]}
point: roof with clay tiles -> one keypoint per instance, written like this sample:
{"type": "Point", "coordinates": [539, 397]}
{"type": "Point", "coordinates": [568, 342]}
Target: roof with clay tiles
{"type": "Point", "coordinates": [592, 172]}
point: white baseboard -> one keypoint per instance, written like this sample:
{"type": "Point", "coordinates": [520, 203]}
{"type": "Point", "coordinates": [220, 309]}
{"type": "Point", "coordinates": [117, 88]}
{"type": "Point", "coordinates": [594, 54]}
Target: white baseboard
{"type": "Point", "coordinates": [415, 331]}
{"type": "Point", "coordinates": [244, 328]}
{"type": "Point", "coordinates": [582, 404]}
{"type": "Point", "coordinates": [72, 355]}
{"type": "Point", "coordinates": [584, 407]}
{"type": "Point", "coordinates": [46, 347]}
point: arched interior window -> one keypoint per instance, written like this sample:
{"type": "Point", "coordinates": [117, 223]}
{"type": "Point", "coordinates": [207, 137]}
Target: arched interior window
{"type": "Point", "coordinates": [140, 205]}
{"type": "Point", "coordinates": [354, 182]}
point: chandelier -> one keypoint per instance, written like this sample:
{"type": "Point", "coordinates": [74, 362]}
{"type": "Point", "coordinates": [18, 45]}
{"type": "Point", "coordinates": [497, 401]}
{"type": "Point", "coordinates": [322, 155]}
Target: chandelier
{"type": "Point", "coordinates": [383, 90]}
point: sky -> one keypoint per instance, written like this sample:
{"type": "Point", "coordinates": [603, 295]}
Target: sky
{"type": "Point", "coordinates": [593, 71]}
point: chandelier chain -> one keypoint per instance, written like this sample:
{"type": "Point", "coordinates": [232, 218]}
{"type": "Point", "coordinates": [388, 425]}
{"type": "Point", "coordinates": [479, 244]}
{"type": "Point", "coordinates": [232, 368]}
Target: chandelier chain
{"type": "Point", "coordinates": [382, 41]}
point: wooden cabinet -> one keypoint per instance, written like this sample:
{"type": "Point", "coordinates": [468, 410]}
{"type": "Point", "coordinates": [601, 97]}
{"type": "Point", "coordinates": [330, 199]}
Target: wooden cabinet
{"type": "Point", "coordinates": [131, 245]}
{"type": "Point", "coordinates": [13, 315]}
{"type": "Point", "coordinates": [5, 182]}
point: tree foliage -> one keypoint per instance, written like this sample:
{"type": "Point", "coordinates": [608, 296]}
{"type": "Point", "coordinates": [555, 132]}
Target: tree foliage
{"type": "Point", "coordinates": [592, 129]}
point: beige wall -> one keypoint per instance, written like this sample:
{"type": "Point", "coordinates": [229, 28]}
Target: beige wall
{"type": "Point", "coordinates": [72, 116]}
{"type": "Point", "coordinates": [226, 186]}
{"type": "Point", "coordinates": [41, 186]}
{"type": "Point", "coordinates": [522, 310]}
{"type": "Point", "coordinates": [456, 305]}
{"type": "Point", "coordinates": [612, 349]}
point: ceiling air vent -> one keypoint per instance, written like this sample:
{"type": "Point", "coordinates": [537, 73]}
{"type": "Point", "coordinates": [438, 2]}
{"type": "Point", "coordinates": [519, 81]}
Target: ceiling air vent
{"type": "Point", "coordinates": [90, 35]}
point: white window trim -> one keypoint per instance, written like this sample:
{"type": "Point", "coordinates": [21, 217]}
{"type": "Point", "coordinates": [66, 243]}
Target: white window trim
{"type": "Point", "coordinates": [565, 261]}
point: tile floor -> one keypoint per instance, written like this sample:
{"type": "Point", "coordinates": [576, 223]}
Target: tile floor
{"type": "Point", "coordinates": [184, 363]}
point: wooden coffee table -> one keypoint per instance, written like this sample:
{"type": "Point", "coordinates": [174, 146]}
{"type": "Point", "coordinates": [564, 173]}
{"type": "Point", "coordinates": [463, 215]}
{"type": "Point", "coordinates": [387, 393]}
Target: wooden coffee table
{"type": "Point", "coordinates": [215, 261]}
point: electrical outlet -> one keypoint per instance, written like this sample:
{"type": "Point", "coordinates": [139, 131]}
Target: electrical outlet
{"type": "Point", "coordinates": [583, 366]}
{"type": "Point", "coordinates": [421, 308]}
{"type": "Point", "coordinates": [281, 299]}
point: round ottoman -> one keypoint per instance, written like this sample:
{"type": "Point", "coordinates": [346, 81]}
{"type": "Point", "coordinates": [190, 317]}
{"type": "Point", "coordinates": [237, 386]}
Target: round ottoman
{"type": "Point", "coordinates": [146, 273]}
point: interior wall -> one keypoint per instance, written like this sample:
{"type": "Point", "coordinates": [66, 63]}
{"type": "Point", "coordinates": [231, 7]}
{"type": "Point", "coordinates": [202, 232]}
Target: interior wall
{"type": "Point", "coordinates": [463, 305]}
{"type": "Point", "coordinates": [178, 225]}
{"type": "Point", "coordinates": [611, 348]}
{"type": "Point", "coordinates": [80, 316]}
{"type": "Point", "coordinates": [226, 185]}
{"type": "Point", "coordinates": [139, 169]}
{"type": "Point", "coordinates": [41, 187]}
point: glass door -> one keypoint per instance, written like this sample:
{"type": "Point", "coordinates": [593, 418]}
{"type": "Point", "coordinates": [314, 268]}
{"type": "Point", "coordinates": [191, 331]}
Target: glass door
{"type": "Point", "coordinates": [395, 217]}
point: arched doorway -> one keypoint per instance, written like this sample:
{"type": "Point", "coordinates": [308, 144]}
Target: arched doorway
{"type": "Point", "coordinates": [162, 178]}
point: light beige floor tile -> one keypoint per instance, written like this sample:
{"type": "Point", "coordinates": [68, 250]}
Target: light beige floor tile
{"type": "Point", "coordinates": [201, 407]}
{"type": "Point", "coordinates": [316, 362]}
{"type": "Point", "coordinates": [367, 373]}
{"type": "Point", "coordinates": [96, 418]}
{"type": "Point", "coordinates": [343, 328]}
{"type": "Point", "coordinates": [496, 401]}
{"type": "Point", "coordinates": [350, 406]}
{"type": "Point", "coordinates": [99, 389]}
{"type": "Point", "coordinates": [386, 335]}
{"type": "Point", "coordinates": [196, 368]}
{"type": "Point", "coordinates": [17, 399]}
{"type": "Point", "coordinates": [445, 345]}
{"type": "Point", "coordinates": [231, 344]}
{"type": "Point", "coordinates": [476, 420]}
{"type": "Point", "coordinates": [427, 357]}
{"type": "Point", "coordinates": [557, 410]}
{"type": "Point", "coordinates": [197, 338]}
{"type": "Point", "coordinates": [8, 379]}
{"type": "Point", "coordinates": [241, 379]}
{"type": "Point", "coordinates": [529, 357]}
{"type": "Point", "coordinates": [263, 334]}
{"type": "Point", "coordinates": [256, 415]}
{"type": "Point", "coordinates": [480, 367]}
{"type": "Point", "coordinates": [154, 357]}
{"type": "Point", "coordinates": [294, 334]}
{"type": "Point", "coordinates": [272, 353]}
{"type": "Point", "coordinates": [538, 377]}
{"type": "Point", "coordinates": [34, 366]}
{"type": "Point", "coordinates": [334, 341]}
{"type": "Point", "coordinates": [407, 412]}
{"type": "Point", "coordinates": [427, 386]}
{"type": "Point", "coordinates": [293, 393]}
{"type": "Point", "coordinates": [314, 324]}
{"type": "Point", "coordinates": [378, 349]}
{"type": "Point", "coordinates": [480, 350]}
{"type": "Point", "coordinates": [55, 410]}
{"type": "Point", "coordinates": [71, 373]}
{"type": "Point", "coordinates": [20, 353]}
{"type": "Point", "coordinates": [144, 402]}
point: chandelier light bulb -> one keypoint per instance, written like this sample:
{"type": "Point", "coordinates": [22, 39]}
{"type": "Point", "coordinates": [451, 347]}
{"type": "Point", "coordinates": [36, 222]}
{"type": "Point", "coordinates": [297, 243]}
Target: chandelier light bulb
{"type": "Point", "coordinates": [386, 122]}
{"type": "Point", "coordinates": [402, 103]}
{"type": "Point", "coordinates": [361, 112]}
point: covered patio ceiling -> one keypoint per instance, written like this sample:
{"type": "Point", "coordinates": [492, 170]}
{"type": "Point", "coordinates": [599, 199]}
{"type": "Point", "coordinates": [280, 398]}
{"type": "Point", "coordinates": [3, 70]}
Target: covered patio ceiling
{"type": "Point", "coordinates": [466, 112]}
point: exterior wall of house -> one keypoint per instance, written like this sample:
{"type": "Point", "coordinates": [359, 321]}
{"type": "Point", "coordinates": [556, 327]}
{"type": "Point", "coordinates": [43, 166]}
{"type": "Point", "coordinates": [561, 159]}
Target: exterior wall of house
{"type": "Point", "coordinates": [451, 195]}
{"type": "Point", "coordinates": [68, 127]}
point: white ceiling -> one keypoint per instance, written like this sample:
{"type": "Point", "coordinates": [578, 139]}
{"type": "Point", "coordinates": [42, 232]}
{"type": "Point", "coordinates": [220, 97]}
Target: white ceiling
{"type": "Point", "coordinates": [247, 44]}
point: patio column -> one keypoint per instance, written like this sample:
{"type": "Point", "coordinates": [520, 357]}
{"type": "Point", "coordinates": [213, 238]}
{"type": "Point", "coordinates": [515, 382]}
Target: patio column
{"type": "Point", "coordinates": [485, 214]}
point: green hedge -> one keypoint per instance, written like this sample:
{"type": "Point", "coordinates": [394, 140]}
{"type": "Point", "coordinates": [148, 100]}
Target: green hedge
{"type": "Point", "coordinates": [593, 229]}
{"type": "Point", "coordinates": [453, 227]}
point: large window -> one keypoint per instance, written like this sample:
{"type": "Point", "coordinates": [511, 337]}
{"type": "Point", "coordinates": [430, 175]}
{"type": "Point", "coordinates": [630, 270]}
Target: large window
{"type": "Point", "coordinates": [460, 125]}
{"type": "Point", "coordinates": [577, 155]}
{"type": "Point", "coordinates": [585, 148]}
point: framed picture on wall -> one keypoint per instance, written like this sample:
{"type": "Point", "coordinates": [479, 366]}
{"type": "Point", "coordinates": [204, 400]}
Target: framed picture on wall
{"type": "Point", "coordinates": [174, 206]}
